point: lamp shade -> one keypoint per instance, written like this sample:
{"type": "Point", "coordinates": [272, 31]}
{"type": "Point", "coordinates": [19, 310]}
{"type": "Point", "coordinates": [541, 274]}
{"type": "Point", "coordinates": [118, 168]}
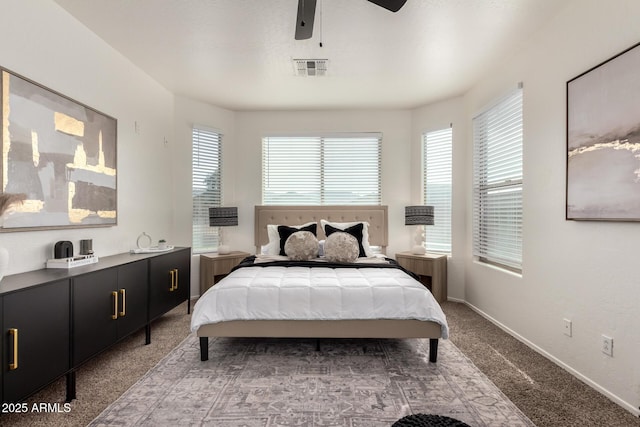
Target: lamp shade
{"type": "Point", "coordinates": [418, 215]}
{"type": "Point", "coordinates": [223, 217]}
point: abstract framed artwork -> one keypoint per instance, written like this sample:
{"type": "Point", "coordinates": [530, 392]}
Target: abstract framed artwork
{"type": "Point", "coordinates": [603, 141]}
{"type": "Point", "coordinates": [60, 153]}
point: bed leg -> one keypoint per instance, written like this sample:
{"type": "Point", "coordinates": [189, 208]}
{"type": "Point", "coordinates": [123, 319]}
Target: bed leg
{"type": "Point", "coordinates": [433, 350]}
{"type": "Point", "coordinates": [204, 348]}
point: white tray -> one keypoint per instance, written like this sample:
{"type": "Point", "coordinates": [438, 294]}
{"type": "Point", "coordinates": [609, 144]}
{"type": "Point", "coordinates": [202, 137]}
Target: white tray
{"type": "Point", "coordinates": [151, 250]}
{"type": "Point", "coordinates": [72, 261]}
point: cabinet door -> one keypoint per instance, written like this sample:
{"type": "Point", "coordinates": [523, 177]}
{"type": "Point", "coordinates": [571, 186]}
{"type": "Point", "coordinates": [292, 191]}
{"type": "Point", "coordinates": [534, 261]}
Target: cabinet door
{"type": "Point", "coordinates": [132, 294]}
{"type": "Point", "coordinates": [183, 280]}
{"type": "Point", "coordinates": [94, 306]}
{"type": "Point", "coordinates": [170, 276]}
{"type": "Point", "coordinates": [40, 315]}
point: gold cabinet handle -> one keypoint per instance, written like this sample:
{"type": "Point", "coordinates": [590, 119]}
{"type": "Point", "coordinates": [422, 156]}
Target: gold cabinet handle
{"type": "Point", "coordinates": [173, 279]}
{"type": "Point", "coordinates": [114, 294]}
{"type": "Point", "coordinates": [14, 365]}
{"type": "Point", "coordinates": [177, 275]}
{"type": "Point", "coordinates": [124, 302]}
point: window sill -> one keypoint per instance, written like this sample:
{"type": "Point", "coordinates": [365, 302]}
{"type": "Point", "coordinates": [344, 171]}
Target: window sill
{"type": "Point", "coordinates": [498, 267]}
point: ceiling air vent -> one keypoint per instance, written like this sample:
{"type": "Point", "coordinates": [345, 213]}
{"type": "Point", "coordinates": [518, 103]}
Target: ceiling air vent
{"type": "Point", "coordinates": [310, 67]}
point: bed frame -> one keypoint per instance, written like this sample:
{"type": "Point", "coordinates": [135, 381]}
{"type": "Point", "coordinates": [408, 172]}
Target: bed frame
{"type": "Point", "coordinates": [377, 217]}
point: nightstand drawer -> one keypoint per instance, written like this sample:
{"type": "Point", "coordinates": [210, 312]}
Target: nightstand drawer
{"type": "Point", "coordinates": [417, 266]}
{"type": "Point", "coordinates": [224, 266]}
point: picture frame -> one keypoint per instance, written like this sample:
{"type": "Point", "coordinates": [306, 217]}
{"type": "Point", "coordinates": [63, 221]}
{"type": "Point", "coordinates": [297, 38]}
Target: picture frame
{"type": "Point", "coordinates": [58, 152]}
{"type": "Point", "coordinates": [603, 141]}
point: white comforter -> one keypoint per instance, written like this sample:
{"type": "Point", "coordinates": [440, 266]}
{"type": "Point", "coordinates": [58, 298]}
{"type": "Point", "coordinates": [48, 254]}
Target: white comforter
{"type": "Point", "coordinates": [319, 293]}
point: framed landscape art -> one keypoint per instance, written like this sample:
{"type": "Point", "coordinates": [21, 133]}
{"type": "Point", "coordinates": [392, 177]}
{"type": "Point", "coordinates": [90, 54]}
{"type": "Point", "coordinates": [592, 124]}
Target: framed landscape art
{"type": "Point", "coordinates": [603, 141]}
{"type": "Point", "coordinates": [58, 152]}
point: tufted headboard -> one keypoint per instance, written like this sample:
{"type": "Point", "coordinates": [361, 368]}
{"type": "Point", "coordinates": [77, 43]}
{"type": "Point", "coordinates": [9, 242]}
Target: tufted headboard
{"type": "Point", "coordinates": [375, 215]}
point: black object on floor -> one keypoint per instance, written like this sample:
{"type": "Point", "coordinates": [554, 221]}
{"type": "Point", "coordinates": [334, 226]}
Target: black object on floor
{"type": "Point", "coordinates": [428, 420]}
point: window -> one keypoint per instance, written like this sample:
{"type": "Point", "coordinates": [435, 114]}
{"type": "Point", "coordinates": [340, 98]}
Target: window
{"type": "Point", "coordinates": [339, 169]}
{"type": "Point", "coordinates": [497, 183]}
{"type": "Point", "coordinates": [436, 171]}
{"type": "Point", "coordinates": [206, 186]}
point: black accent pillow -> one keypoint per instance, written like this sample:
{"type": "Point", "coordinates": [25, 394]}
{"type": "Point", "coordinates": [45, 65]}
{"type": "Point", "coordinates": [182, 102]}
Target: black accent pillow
{"type": "Point", "coordinates": [354, 230]}
{"type": "Point", "coordinates": [284, 231]}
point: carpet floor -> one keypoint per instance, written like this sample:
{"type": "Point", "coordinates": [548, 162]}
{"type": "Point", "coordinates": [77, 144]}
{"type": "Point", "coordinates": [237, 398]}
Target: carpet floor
{"type": "Point", "coordinates": [544, 392]}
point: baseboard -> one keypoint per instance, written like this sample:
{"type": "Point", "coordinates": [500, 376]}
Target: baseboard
{"type": "Point", "coordinates": [626, 405]}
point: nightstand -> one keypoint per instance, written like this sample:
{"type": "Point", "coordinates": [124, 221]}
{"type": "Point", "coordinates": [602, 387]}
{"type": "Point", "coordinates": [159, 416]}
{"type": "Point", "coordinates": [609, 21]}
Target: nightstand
{"type": "Point", "coordinates": [431, 268]}
{"type": "Point", "coordinates": [213, 267]}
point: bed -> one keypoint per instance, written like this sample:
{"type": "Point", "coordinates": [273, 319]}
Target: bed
{"type": "Point", "coordinates": [216, 315]}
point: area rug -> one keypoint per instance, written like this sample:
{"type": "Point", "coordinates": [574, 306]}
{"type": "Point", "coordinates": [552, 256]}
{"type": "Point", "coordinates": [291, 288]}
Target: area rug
{"type": "Point", "coordinates": [289, 382]}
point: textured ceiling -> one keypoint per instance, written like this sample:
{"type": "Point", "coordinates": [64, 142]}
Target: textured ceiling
{"type": "Point", "coordinates": [237, 54]}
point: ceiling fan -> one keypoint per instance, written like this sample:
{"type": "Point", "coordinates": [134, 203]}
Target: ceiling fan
{"type": "Point", "coordinates": [307, 13]}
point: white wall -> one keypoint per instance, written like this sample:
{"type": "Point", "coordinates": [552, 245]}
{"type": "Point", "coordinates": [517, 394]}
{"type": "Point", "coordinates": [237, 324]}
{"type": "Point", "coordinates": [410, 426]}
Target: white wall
{"type": "Point", "coordinates": [438, 116]}
{"type": "Point", "coordinates": [583, 271]}
{"type": "Point", "coordinates": [395, 126]}
{"type": "Point", "coordinates": [242, 162]}
{"type": "Point", "coordinates": [40, 41]}
{"type": "Point", "coordinates": [188, 113]}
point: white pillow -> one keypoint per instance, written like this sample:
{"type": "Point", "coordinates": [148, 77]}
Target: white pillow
{"type": "Point", "coordinates": [273, 247]}
{"type": "Point", "coordinates": [342, 225]}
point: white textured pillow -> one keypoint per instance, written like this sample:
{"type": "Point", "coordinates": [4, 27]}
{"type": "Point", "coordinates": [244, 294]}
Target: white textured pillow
{"type": "Point", "coordinates": [273, 247]}
{"type": "Point", "coordinates": [301, 246]}
{"type": "Point", "coordinates": [342, 225]}
{"type": "Point", "coordinates": [341, 247]}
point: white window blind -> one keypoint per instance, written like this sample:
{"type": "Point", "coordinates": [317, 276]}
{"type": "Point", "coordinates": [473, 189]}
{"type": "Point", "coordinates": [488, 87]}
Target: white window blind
{"type": "Point", "coordinates": [497, 183]}
{"type": "Point", "coordinates": [321, 170]}
{"type": "Point", "coordinates": [437, 186]}
{"type": "Point", "coordinates": [206, 186]}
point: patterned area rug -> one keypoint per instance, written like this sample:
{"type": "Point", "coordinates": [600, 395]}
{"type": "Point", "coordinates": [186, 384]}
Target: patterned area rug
{"type": "Point", "coordinates": [287, 382]}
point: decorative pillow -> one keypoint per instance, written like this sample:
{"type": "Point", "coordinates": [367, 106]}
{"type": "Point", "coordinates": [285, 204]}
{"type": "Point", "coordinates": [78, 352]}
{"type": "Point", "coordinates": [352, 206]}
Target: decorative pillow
{"type": "Point", "coordinates": [301, 246]}
{"type": "Point", "coordinates": [355, 231]}
{"type": "Point", "coordinates": [343, 225]}
{"type": "Point", "coordinates": [285, 231]}
{"type": "Point", "coordinates": [341, 247]}
{"type": "Point", "coordinates": [273, 247]}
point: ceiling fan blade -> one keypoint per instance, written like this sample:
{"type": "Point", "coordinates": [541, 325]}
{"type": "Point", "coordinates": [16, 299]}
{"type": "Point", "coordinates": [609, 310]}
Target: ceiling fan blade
{"type": "Point", "coordinates": [304, 21]}
{"type": "Point", "coordinates": [392, 5]}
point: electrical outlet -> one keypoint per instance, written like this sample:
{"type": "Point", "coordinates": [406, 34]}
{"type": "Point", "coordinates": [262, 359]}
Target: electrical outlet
{"type": "Point", "coordinates": [607, 345]}
{"type": "Point", "coordinates": [567, 327]}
